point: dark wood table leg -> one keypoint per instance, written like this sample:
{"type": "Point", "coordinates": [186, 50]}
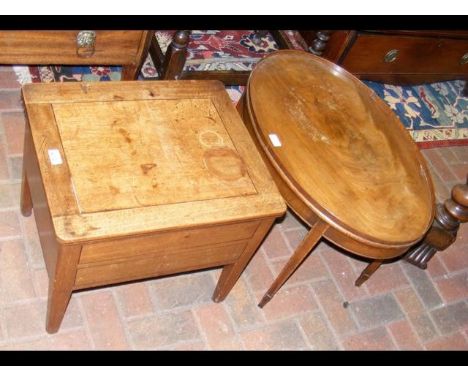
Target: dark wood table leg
{"type": "Point", "coordinates": [174, 60]}
{"type": "Point", "coordinates": [444, 229]}
{"type": "Point", "coordinates": [368, 272]}
{"type": "Point", "coordinates": [295, 260]}
{"type": "Point", "coordinates": [320, 42]}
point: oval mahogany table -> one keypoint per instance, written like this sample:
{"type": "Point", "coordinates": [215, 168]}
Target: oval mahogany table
{"type": "Point", "coordinates": [340, 157]}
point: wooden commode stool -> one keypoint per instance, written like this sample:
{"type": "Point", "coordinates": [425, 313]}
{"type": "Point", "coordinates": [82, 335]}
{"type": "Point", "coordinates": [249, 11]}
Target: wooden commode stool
{"type": "Point", "coordinates": [340, 157]}
{"type": "Point", "coordinates": [141, 179]}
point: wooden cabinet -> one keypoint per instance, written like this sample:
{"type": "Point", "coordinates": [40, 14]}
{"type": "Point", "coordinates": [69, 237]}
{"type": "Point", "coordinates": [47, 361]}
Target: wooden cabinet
{"type": "Point", "coordinates": [395, 56]}
{"type": "Point", "coordinates": [127, 48]}
{"type": "Point", "coordinates": [130, 180]}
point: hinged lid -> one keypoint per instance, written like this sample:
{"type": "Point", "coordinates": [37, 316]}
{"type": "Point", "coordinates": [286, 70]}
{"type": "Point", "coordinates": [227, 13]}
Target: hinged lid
{"type": "Point", "coordinates": [145, 156]}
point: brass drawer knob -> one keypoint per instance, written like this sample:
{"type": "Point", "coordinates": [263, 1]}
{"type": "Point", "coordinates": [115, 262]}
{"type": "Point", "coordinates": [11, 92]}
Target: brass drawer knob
{"type": "Point", "coordinates": [464, 59]}
{"type": "Point", "coordinates": [85, 43]}
{"type": "Point", "coordinates": [391, 55]}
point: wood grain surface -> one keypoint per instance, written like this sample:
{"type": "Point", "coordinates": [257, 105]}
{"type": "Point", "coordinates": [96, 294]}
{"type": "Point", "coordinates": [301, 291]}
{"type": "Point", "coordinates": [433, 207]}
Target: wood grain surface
{"type": "Point", "coordinates": [341, 148]}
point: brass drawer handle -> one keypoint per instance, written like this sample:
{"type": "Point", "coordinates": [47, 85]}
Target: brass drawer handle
{"type": "Point", "coordinates": [391, 55]}
{"type": "Point", "coordinates": [85, 43]}
{"type": "Point", "coordinates": [464, 59]}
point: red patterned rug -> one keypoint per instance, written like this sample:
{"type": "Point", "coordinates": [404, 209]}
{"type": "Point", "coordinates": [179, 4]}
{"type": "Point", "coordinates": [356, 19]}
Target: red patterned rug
{"type": "Point", "coordinates": [434, 114]}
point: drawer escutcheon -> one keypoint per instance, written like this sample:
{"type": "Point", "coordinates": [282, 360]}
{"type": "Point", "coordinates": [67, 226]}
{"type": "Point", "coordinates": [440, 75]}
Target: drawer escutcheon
{"type": "Point", "coordinates": [85, 43]}
{"type": "Point", "coordinates": [391, 55]}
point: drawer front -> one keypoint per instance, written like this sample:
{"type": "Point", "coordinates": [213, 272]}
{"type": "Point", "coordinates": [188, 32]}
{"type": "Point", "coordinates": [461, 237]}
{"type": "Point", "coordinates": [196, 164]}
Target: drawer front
{"type": "Point", "coordinates": [61, 47]}
{"type": "Point", "coordinates": [400, 54]}
{"type": "Point", "coordinates": [166, 242]}
{"type": "Point", "coordinates": [157, 264]}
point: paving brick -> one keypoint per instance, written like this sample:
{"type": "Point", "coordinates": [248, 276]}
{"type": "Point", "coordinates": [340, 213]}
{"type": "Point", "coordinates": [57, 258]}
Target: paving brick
{"type": "Point", "coordinates": [28, 319]}
{"type": "Point", "coordinates": [451, 317]}
{"type": "Point", "coordinates": [4, 173]}
{"type": "Point", "coordinates": [443, 170]}
{"type": "Point", "coordinates": [288, 302]}
{"type": "Point", "coordinates": [343, 273]}
{"type": "Point", "coordinates": [134, 299]}
{"type": "Point", "coordinates": [10, 100]}
{"type": "Point", "coordinates": [460, 171]}
{"type": "Point", "coordinates": [15, 278]}
{"type": "Point", "coordinates": [404, 335]}
{"type": "Point", "coordinates": [217, 327]}
{"type": "Point", "coordinates": [186, 346]}
{"type": "Point", "coordinates": [71, 340]}
{"type": "Point", "coordinates": [33, 244]}
{"type": "Point", "coordinates": [312, 268]}
{"type": "Point", "coordinates": [257, 273]}
{"type": "Point", "coordinates": [409, 301]}
{"type": "Point", "coordinates": [103, 320]}
{"type": "Point", "coordinates": [454, 257]}
{"type": "Point", "coordinates": [461, 153]}
{"type": "Point", "coordinates": [275, 244]}
{"type": "Point", "coordinates": [423, 286]}
{"type": "Point", "coordinates": [40, 281]}
{"type": "Point", "coordinates": [423, 326]}
{"type": "Point", "coordinates": [375, 339]}
{"type": "Point", "coordinates": [284, 335]}
{"type": "Point", "coordinates": [390, 276]}
{"type": "Point", "coordinates": [455, 341]}
{"type": "Point", "coordinates": [332, 304]}
{"type": "Point", "coordinates": [441, 189]}
{"type": "Point", "coordinates": [9, 224]}
{"type": "Point", "coordinates": [14, 123]}
{"type": "Point", "coordinates": [8, 80]}
{"type": "Point", "coordinates": [435, 267]}
{"type": "Point", "coordinates": [294, 237]}
{"type": "Point", "coordinates": [182, 290]}
{"type": "Point", "coordinates": [376, 311]}
{"type": "Point", "coordinates": [7, 196]}
{"type": "Point", "coordinates": [319, 335]}
{"type": "Point", "coordinates": [242, 306]}
{"type": "Point", "coordinates": [453, 287]}
{"type": "Point", "coordinates": [447, 154]}
{"type": "Point", "coordinates": [16, 166]}
{"type": "Point", "coordinates": [163, 329]}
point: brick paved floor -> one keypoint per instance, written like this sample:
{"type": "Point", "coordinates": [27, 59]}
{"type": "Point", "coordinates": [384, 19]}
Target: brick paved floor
{"type": "Point", "coordinates": [400, 307]}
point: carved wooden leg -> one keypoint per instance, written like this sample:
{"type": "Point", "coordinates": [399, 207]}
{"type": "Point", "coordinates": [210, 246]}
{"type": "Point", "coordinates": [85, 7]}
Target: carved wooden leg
{"type": "Point", "coordinates": [232, 272]}
{"type": "Point", "coordinates": [175, 57]}
{"type": "Point", "coordinates": [61, 285]}
{"type": "Point", "coordinates": [444, 229]}
{"type": "Point", "coordinates": [368, 272]}
{"type": "Point", "coordinates": [320, 43]}
{"type": "Point", "coordinates": [295, 260]}
{"type": "Point", "coordinates": [26, 201]}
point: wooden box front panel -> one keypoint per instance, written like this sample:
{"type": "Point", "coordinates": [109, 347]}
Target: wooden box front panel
{"type": "Point", "coordinates": [415, 55]}
{"type": "Point", "coordinates": [49, 47]}
{"type": "Point", "coordinates": [157, 263]}
{"type": "Point", "coordinates": [165, 242]}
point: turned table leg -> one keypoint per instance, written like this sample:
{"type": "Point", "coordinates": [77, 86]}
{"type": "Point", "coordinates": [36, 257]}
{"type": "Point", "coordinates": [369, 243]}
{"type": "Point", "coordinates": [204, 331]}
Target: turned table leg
{"type": "Point", "coordinates": [368, 272]}
{"type": "Point", "coordinates": [232, 272]}
{"type": "Point", "coordinates": [444, 229]}
{"type": "Point", "coordinates": [61, 284]}
{"type": "Point", "coordinates": [296, 259]}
